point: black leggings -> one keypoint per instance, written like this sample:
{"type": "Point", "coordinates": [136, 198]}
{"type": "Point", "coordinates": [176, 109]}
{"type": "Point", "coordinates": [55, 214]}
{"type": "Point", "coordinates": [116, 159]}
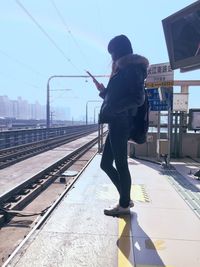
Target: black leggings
{"type": "Point", "coordinates": [115, 149]}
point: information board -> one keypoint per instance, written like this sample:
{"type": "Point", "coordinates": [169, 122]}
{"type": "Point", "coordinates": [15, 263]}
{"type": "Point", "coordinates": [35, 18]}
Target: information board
{"type": "Point", "coordinates": [156, 102]}
{"type": "Point", "coordinates": [160, 75]}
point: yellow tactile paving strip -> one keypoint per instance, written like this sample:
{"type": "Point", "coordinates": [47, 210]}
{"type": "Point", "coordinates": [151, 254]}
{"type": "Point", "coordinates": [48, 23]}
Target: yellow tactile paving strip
{"type": "Point", "coordinates": [138, 193]}
{"type": "Point", "coordinates": [125, 247]}
{"type": "Point", "coordinates": [125, 243]}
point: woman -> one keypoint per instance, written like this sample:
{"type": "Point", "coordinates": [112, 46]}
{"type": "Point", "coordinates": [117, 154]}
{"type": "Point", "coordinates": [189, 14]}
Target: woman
{"type": "Point", "coordinates": [122, 96]}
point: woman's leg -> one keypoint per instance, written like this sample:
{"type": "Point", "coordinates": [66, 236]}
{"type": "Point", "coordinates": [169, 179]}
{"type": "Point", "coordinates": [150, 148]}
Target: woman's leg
{"type": "Point", "coordinates": [107, 164]}
{"type": "Point", "coordinates": [119, 133]}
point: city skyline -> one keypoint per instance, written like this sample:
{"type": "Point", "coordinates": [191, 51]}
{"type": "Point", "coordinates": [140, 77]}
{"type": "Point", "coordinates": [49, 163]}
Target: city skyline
{"type": "Point", "coordinates": [20, 108]}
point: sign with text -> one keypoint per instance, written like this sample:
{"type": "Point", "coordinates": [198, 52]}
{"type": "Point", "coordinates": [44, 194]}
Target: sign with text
{"type": "Point", "coordinates": [158, 102]}
{"type": "Point", "coordinates": [160, 75]}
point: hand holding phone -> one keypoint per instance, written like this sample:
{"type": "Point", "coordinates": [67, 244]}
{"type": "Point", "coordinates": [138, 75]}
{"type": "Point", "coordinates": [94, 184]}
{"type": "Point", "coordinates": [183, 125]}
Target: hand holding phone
{"type": "Point", "coordinates": [99, 86]}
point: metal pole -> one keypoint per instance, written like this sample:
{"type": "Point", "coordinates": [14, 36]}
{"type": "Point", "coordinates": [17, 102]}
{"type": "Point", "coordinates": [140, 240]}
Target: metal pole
{"type": "Point", "coordinates": [176, 135]}
{"type": "Point", "coordinates": [169, 135]}
{"type": "Point", "coordinates": [48, 105]}
{"type": "Point", "coordinates": [86, 115]}
{"type": "Point", "coordinates": [48, 93]}
{"type": "Point", "coordinates": [158, 136]}
{"type": "Point", "coordinates": [95, 114]}
{"type": "Point", "coordinates": [181, 133]}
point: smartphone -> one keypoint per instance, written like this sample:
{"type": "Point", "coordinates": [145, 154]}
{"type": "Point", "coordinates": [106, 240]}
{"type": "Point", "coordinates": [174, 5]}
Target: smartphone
{"type": "Point", "coordinates": [94, 79]}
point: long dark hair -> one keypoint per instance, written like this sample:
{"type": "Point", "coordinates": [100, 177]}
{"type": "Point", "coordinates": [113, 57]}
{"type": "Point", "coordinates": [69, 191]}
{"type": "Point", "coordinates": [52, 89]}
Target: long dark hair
{"type": "Point", "coordinates": [119, 46]}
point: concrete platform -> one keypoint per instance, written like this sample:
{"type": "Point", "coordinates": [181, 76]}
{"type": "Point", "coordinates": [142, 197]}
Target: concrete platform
{"type": "Point", "coordinates": [162, 229]}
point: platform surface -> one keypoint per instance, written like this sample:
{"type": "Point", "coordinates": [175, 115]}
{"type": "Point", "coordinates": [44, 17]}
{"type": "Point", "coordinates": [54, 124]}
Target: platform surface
{"type": "Point", "coordinates": [162, 229]}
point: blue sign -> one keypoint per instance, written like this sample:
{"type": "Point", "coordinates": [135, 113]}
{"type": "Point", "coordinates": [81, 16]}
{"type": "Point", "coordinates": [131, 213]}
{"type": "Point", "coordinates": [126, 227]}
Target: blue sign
{"type": "Point", "coordinates": [160, 99]}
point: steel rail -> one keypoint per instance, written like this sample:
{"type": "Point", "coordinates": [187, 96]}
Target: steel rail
{"type": "Point", "coordinates": [21, 146]}
{"type": "Point", "coordinates": [51, 169]}
{"type": "Point", "coordinates": [36, 148]}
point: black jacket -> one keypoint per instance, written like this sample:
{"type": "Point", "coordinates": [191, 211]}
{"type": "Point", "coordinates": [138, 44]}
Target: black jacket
{"type": "Point", "coordinates": [125, 90]}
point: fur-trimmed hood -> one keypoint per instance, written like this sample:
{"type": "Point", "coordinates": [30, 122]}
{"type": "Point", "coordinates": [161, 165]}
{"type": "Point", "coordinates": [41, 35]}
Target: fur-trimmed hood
{"type": "Point", "coordinates": [132, 59]}
{"type": "Point", "coordinates": [125, 90]}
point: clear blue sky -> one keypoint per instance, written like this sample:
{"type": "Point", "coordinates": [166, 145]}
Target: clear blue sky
{"type": "Point", "coordinates": [79, 32]}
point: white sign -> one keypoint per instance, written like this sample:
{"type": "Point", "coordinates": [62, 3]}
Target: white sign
{"type": "Point", "coordinates": [160, 75]}
{"type": "Point", "coordinates": [180, 102]}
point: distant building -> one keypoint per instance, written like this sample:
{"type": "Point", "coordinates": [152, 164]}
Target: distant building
{"type": "Point", "coordinates": [22, 109]}
{"type": "Point", "coordinates": [5, 107]}
{"type": "Point", "coordinates": [15, 109]}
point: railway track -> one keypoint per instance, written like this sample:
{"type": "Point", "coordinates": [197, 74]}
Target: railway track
{"type": "Point", "coordinates": [35, 198]}
{"type": "Point", "coordinates": [15, 154]}
{"type": "Point", "coordinates": [20, 195]}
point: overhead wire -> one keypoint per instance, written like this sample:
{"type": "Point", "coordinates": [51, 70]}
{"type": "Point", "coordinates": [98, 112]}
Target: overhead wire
{"type": "Point", "coordinates": [69, 30]}
{"type": "Point", "coordinates": [22, 64]}
{"type": "Point", "coordinates": [45, 33]}
{"type": "Point", "coordinates": [25, 65]}
{"type": "Point", "coordinates": [101, 19]}
{"type": "Point", "coordinates": [99, 13]}
{"type": "Point", "coordinates": [25, 82]}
